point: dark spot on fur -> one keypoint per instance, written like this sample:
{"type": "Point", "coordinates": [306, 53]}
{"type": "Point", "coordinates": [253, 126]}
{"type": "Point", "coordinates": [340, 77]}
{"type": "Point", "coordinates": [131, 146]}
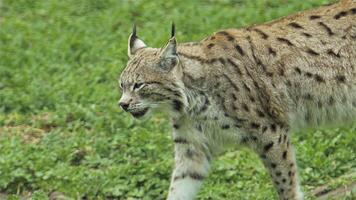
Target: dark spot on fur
{"type": "Point", "coordinates": [245, 107]}
{"type": "Point", "coordinates": [223, 33]}
{"type": "Point", "coordinates": [313, 17]}
{"type": "Point", "coordinates": [340, 14]}
{"type": "Point", "coordinates": [261, 33]}
{"type": "Point", "coordinates": [308, 74]}
{"type": "Point", "coordinates": [230, 38]}
{"type": "Point", "coordinates": [341, 78]}
{"type": "Point", "coordinates": [196, 176]}
{"type": "Point", "coordinates": [213, 60]}
{"type": "Point", "coordinates": [226, 34]}
{"type": "Point", "coordinates": [273, 127]}
{"type": "Point", "coordinates": [180, 141]}
{"type": "Point", "coordinates": [270, 74]}
{"type": "Point", "coordinates": [205, 106]}
{"type": "Point", "coordinates": [260, 113]}
{"type": "Point", "coordinates": [268, 146]}
{"type": "Point", "coordinates": [273, 165]}
{"type": "Point", "coordinates": [272, 51]}
{"type": "Point", "coordinates": [239, 49]}
{"type": "Point", "coordinates": [328, 29]}
{"type": "Point", "coordinates": [210, 45]}
{"type": "Point", "coordinates": [318, 78]}
{"type": "Point", "coordinates": [255, 125]}
{"type": "Point", "coordinates": [276, 182]}
{"type": "Point", "coordinates": [290, 173]}
{"type": "Point", "coordinates": [226, 126]}
{"type": "Point", "coordinates": [177, 105]}
{"type": "Point", "coordinates": [298, 70]}
{"type": "Point", "coordinates": [306, 34]}
{"type": "Point", "coordinates": [284, 138]}
{"type": "Point", "coordinates": [286, 41]}
{"type": "Point", "coordinates": [236, 67]}
{"type": "Point", "coordinates": [176, 126]}
{"type": "Point", "coordinates": [278, 173]}
{"type": "Point", "coordinates": [332, 53]}
{"type": "Point", "coordinates": [353, 11]}
{"type": "Point", "coordinates": [312, 52]}
{"type": "Point", "coordinates": [280, 71]}
{"type": "Point", "coordinates": [280, 139]}
{"type": "Point", "coordinates": [284, 156]}
{"type": "Point", "coordinates": [295, 25]}
{"type": "Point", "coordinates": [284, 180]}
{"type": "Point", "coordinates": [179, 177]}
{"type": "Point", "coordinates": [246, 87]}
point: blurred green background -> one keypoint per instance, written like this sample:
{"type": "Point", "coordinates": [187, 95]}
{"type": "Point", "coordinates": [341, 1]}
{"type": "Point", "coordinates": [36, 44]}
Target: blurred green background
{"type": "Point", "coordinates": [61, 131]}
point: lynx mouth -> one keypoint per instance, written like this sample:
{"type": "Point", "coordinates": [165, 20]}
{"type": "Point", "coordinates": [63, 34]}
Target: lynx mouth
{"type": "Point", "coordinates": [139, 113]}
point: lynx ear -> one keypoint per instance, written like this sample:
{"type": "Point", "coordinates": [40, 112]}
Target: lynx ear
{"type": "Point", "coordinates": [134, 43]}
{"type": "Point", "coordinates": [169, 57]}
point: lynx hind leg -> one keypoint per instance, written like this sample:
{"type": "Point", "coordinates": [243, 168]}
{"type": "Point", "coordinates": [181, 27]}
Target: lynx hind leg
{"type": "Point", "coordinates": [278, 157]}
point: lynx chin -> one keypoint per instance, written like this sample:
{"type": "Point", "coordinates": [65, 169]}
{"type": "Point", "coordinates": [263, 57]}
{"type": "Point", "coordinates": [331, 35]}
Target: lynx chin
{"type": "Point", "coordinates": [249, 87]}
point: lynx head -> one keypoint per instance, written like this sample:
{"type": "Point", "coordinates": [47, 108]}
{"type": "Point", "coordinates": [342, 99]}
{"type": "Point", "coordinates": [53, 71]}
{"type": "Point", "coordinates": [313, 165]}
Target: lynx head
{"type": "Point", "coordinates": [152, 77]}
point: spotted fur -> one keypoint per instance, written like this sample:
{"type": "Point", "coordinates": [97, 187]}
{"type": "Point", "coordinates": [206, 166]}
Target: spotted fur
{"type": "Point", "coordinates": [247, 87]}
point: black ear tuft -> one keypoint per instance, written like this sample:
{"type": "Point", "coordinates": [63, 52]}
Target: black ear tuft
{"type": "Point", "coordinates": [169, 56]}
{"type": "Point", "coordinates": [134, 29]}
{"type": "Point", "coordinates": [173, 32]}
{"type": "Point", "coordinates": [133, 36]}
{"type": "Point", "coordinates": [134, 43]}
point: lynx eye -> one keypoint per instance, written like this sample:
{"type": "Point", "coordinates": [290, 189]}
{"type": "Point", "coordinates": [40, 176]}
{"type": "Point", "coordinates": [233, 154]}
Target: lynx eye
{"type": "Point", "coordinates": [138, 86]}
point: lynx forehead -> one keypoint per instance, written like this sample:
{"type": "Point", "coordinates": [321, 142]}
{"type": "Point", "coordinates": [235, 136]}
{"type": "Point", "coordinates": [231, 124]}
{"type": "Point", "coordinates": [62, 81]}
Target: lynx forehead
{"type": "Point", "coordinates": [247, 87]}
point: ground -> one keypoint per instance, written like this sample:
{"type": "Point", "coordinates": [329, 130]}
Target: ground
{"type": "Point", "coordinates": [62, 134]}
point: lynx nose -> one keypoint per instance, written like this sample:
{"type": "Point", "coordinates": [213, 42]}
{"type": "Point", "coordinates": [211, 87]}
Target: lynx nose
{"type": "Point", "coordinates": [124, 105]}
{"type": "Point", "coordinates": [125, 101]}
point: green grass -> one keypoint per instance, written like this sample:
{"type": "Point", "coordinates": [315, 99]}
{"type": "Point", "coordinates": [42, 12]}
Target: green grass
{"type": "Point", "coordinates": [61, 129]}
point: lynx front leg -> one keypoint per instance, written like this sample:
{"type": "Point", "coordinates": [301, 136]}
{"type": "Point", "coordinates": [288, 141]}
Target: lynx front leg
{"type": "Point", "coordinates": [278, 156]}
{"type": "Point", "coordinates": [191, 167]}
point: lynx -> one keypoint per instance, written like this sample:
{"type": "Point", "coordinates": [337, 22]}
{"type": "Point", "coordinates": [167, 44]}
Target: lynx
{"type": "Point", "coordinates": [249, 87]}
